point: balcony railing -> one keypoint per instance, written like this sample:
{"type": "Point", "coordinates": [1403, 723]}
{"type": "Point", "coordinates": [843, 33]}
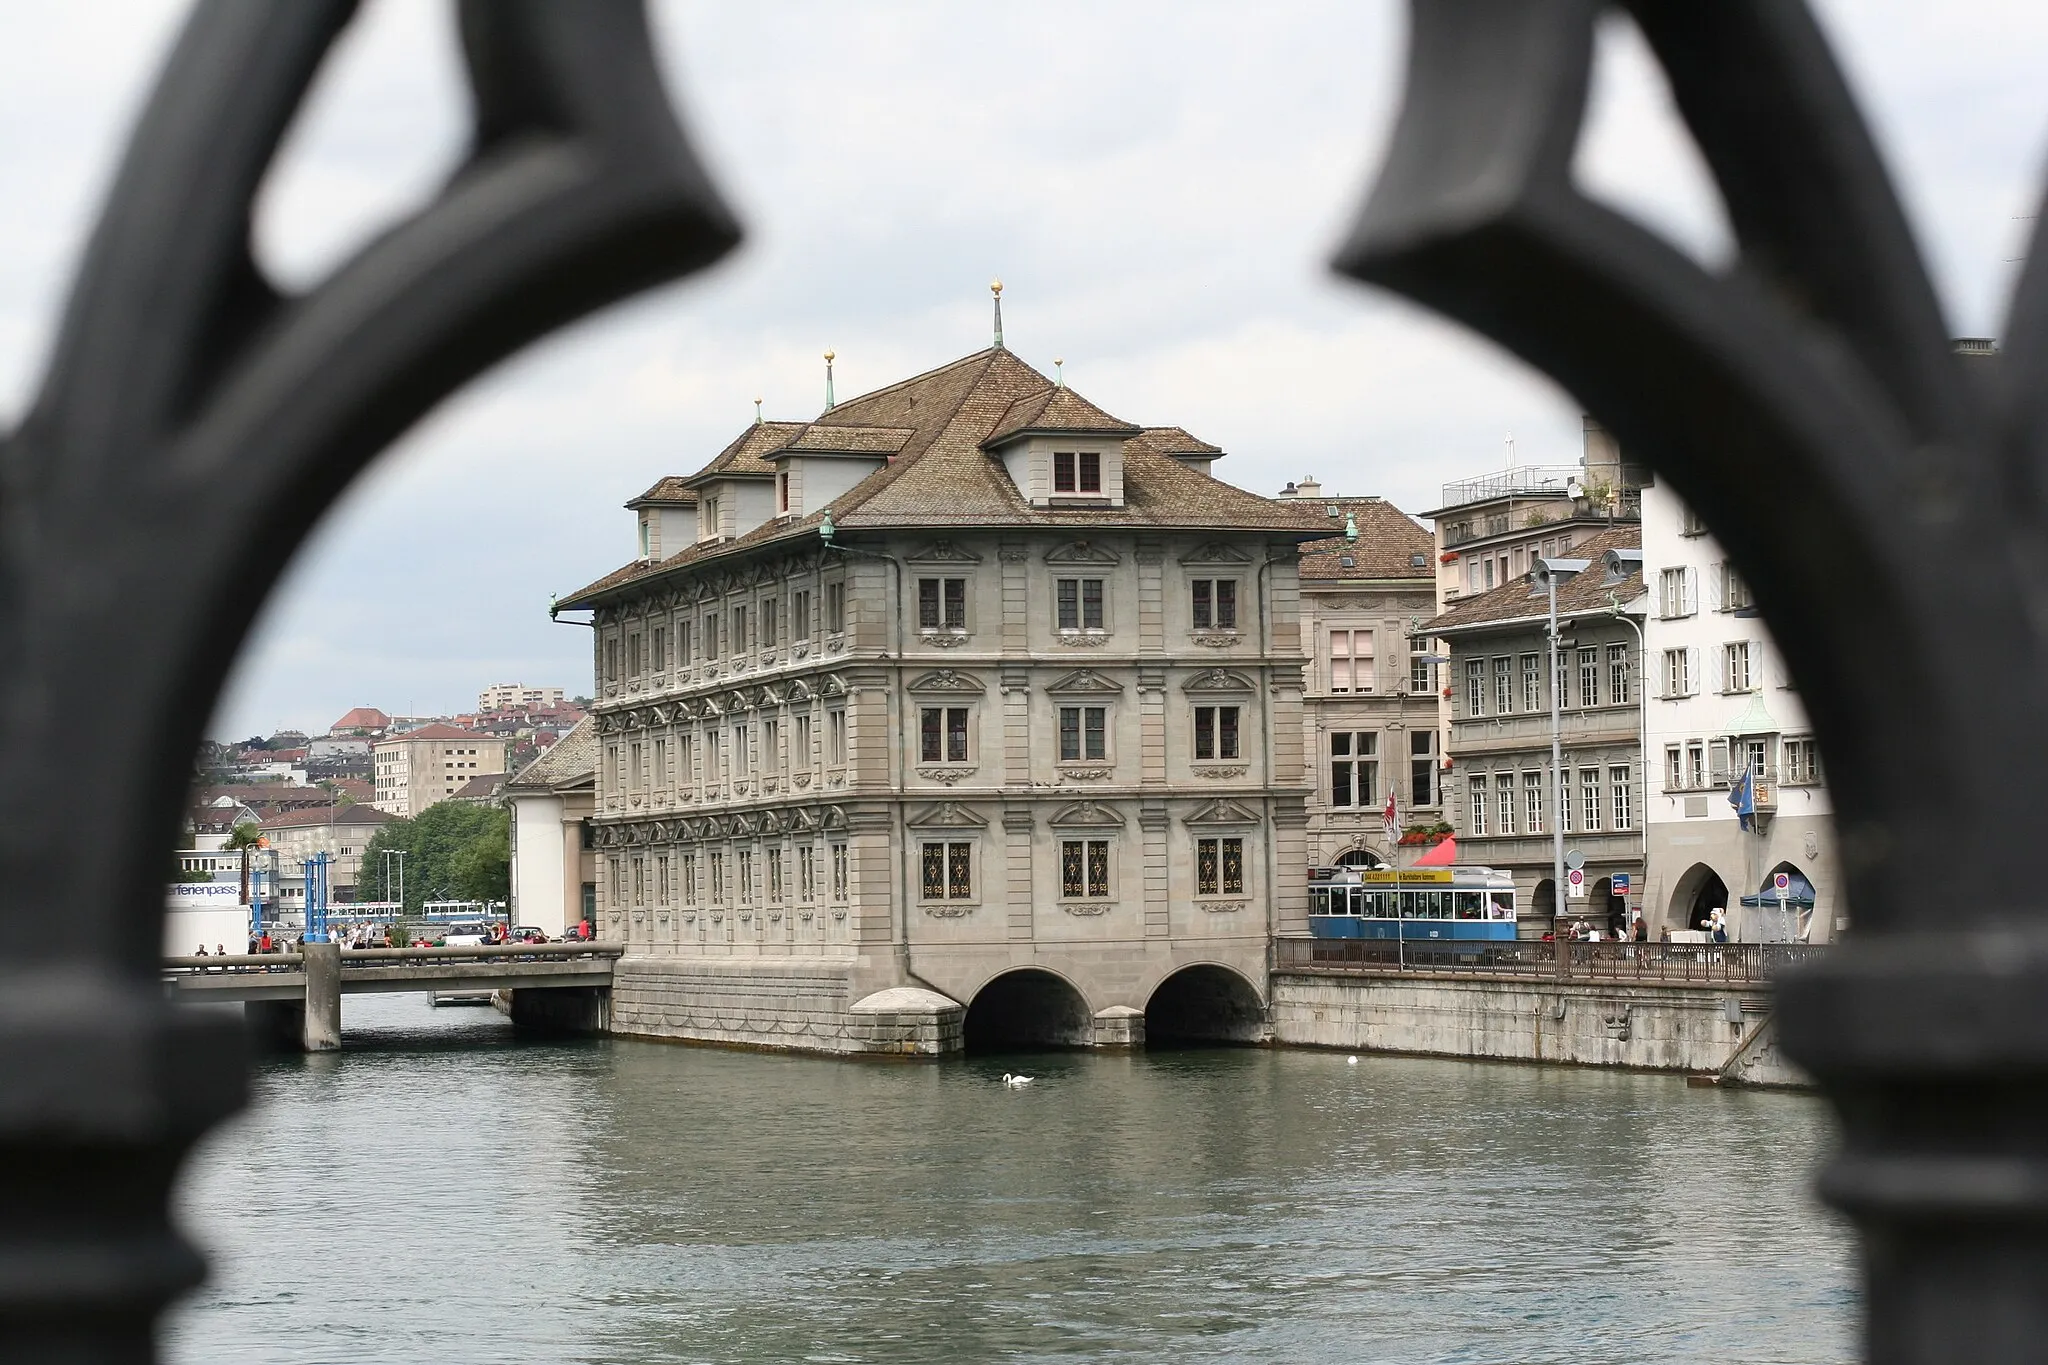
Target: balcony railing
{"type": "Point", "coordinates": [1552, 480]}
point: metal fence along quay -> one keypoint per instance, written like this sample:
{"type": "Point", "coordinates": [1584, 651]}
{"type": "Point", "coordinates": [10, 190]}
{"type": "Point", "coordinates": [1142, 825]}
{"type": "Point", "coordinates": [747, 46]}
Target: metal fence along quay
{"type": "Point", "coordinates": [1654, 964]}
{"type": "Point", "coordinates": [196, 420]}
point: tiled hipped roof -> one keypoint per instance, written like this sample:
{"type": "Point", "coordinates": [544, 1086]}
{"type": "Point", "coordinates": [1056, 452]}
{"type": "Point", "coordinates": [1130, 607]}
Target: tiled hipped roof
{"type": "Point", "coordinates": [1389, 541]}
{"type": "Point", "coordinates": [1589, 591]}
{"type": "Point", "coordinates": [942, 476]}
{"type": "Point", "coordinates": [572, 760]}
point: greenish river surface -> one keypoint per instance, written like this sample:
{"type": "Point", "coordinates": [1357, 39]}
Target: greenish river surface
{"type": "Point", "coordinates": [438, 1192]}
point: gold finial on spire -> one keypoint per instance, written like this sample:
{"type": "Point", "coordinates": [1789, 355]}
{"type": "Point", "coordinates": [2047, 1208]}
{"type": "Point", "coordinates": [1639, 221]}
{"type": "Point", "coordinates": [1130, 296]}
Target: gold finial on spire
{"type": "Point", "coordinates": [830, 356]}
{"type": "Point", "coordinates": [996, 287]}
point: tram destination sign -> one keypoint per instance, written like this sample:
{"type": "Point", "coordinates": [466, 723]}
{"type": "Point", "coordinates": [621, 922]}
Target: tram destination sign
{"type": "Point", "coordinates": [1421, 876]}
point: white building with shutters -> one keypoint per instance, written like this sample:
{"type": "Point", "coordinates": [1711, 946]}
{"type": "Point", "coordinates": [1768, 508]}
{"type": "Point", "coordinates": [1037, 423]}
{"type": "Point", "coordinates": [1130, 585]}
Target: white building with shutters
{"type": "Point", "coordinates": [1721, 703]}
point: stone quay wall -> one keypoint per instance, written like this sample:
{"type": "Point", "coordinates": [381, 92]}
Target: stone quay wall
{"type": "Point", "coordinates": [1725, 1032]}
{"type": "Point", "coordinates": [780, 1004]}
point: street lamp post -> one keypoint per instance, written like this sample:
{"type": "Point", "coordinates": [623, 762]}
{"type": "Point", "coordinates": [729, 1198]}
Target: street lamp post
{"type": "Point", "coordinates": [1548, 573]}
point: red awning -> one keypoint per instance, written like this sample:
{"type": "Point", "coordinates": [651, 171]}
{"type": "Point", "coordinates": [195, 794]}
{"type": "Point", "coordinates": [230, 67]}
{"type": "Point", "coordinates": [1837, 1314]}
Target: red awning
{"type": "Point", "coordinates": [1443, 855]}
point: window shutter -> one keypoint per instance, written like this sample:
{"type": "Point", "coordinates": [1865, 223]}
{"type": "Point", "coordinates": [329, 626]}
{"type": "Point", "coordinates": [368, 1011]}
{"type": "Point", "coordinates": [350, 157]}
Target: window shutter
{"type": "Point", "coordinates": [1717, 586]}
{"type": "Point", "coordinates": [1692, 591]}
{"type": "Point", "coordinates": [1722, 682]}
{"type": "Point", "coordinates": [1718, 761]}
{"type": "Point", "coordinates": [1692, 670]}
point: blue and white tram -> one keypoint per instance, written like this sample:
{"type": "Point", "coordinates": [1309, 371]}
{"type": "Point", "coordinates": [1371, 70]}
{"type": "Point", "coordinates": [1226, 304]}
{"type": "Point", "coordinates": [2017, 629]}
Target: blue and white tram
{"type": "Point", "coordinates": [1460, 904]}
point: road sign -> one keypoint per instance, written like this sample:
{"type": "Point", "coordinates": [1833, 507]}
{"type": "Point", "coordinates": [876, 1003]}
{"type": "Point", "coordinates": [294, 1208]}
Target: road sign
{"type": "Point", "coordinates": [1574, 859]}
{"type": "Point", "coordinates": [1575, 883]}
{"type": "Point", "coordinates": [1621, 883]}
{"type": "Point", "coordinates": [1783, 881]}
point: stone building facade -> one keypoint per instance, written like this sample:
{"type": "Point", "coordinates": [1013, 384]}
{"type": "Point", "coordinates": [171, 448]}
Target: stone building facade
{"type": "Point", "coordinates": [1370, 723]}
{"type": "Point", "coordinates": [972, 708]}
{"type": "Point", "coordinates": [1501, 783]}
{"type": "Point", "coordinates": [1722, 704]}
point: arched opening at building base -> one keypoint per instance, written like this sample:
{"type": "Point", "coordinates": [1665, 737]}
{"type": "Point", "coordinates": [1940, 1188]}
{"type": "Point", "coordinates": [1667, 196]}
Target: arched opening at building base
{"type": "Point", "coordinates": [1027, 1009]}
{"type": "Point", "coordinates": [1204, 1005]}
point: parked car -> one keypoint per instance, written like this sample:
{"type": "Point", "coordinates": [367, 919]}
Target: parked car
{"type": "Point", "coordinates": [527, 933]}
{"type": "Point", "coordinates": [466, 935]}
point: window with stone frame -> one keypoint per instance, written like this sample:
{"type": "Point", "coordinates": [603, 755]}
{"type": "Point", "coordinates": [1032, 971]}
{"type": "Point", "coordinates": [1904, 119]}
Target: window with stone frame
{"type": "Point", "coordinates": [1475, 687]}
{"type": "Point", "coordinates": [800, 614]}
{"type": "Point", "coordinates": [1589, 676]}
{"type": "Point", "coordinates": [772, 855]}
{"type": "Point", "coordinates": [1354, 768]}
{"type": "Point", "coordinates": [942, 604]}
{"type": "Point", "coordinates": [1351, 664]}
{"type": "Point", "coordinates": [835, 608]}
{"type": "Point", "coordinates": [716, 860]}
{"type": "Point", "coordinates": [1219, 866]}
{"type": "Point", "coordinates": [743, 875]}
{"type": "Point", "coordinates": [1622, 812]}
{"type": "Point", "coordinates": [835, 737]}
{"type": "Point", "coordinates": [1476, 803]}
{"type": "Point", "coordinates": [942, 734]}
{"type": "Point", "coordinates": [1084, 869]}
{"type": "Point", "coordinates": [1620, 692]}
{"type": "Point", "coordinates": [1503, 685]}
{"type": "Point", "coordinates": [1216, 733]}
{"type": "Point", "coordinates": [1532, 803]}
{"type": "Point", "coordinates": [1213, 603]}
{"type": "Point", "coordinates": [689, 879]}
{"type": "Point", "coordinates": [1589, 799]}
{"type": "Point", "coordinates": [1421, 665]}
{"type": "Point", "coordinates": [1422, 768]}
{"type": "Point", "coordinates": [1080, 603]}
{"type": "Point", "coordinates": [839, 872]}
{"type": "Point", "coordinates": [806, 873]}
{"type": "Point", "coordinates": [1504, 803]}
{"type": "Point", "coordinates": [946, 869]}
{"type": "Point", "coordinates": [1084, 734]}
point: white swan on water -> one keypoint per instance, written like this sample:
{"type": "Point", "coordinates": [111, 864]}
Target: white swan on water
{"type": "Point", "coordinates": [1014, 1081]}
{"type": "Point", "coordinates": [1351, 1061]}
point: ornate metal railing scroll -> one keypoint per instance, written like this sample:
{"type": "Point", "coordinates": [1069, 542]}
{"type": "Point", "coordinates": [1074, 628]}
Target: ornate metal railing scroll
{"type": "Point", "coordinates": [1886, 498]}
{"type": "Point", "coordinates": [194, 423]}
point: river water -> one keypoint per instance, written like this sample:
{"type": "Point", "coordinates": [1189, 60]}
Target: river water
{"type": "Point", "coordinates": [439, 1192]}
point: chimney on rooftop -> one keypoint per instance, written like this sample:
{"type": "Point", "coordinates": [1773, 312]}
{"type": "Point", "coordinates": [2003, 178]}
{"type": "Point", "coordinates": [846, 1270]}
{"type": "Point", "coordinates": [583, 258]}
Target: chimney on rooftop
{"type": "Point", "coordinates": [1308, 489]}
{"type": "Point", "coordinates": [1287, 493]}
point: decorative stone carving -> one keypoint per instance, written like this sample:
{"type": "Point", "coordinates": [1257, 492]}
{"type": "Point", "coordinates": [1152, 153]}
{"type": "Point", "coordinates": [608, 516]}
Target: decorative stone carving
{"type": "Point", "coordinates": [1079, 639]}
{"type": "Point", "coordinates": [950, 814]}
{"type": "Point", "coordinates": [1082, 552]}
{"type": "Point", "coordinates": [948, 909]}
{"type": "Point", "coordinates": [1087, 907]}
{"type": "Point", "coordinates": [943, 639]}
{"type": "Point", "coordinates": [943, 552]}
{"type": "Point", "coordinates": [946, 775]}
{"type": "Point", "coordinates": [1084, 680]}
{"type": "Point", "coordinates": [1216, 639]}
{"type": "Point", "coordinates": [1222, 812]}
{"type": "Point", "coordinates": [1216, 552]}
{"type": "Point", "coordinates": [1218, 680]}
{"type": "Point", "coordinates": [1089, 814]}
{"type": "Point", "coordinates": [1216, 774]}
{"type": "Point", "coordinates": [801, 780]}
{"type": "Point", "coordinates": [948, 680]}
{"type": "Point", "coordinates": [1085, 772]}
{"type": "Point", "coordinates": [1219, 907]}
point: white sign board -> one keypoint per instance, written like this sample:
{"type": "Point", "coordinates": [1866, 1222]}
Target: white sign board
{"type": "Point", "coordinates": [1575, 883]}
{"type": "Point", "coordinates": [1783, 881]}
{"type": "Point", "coordinates": [211, 913]}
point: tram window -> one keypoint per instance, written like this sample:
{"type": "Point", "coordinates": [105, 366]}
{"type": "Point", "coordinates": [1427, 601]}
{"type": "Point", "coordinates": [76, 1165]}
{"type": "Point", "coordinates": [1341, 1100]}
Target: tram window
{"type": "Point", "coordinates": [1503, 905]}
{"type": "Point", "coordinates": [1318, 900]}
{"type": "Point", "coordinates": [1468, 905]}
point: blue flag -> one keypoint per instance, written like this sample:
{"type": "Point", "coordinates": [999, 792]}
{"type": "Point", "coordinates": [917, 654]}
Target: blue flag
{"type": "Point", "coordinates": [1742, 796]}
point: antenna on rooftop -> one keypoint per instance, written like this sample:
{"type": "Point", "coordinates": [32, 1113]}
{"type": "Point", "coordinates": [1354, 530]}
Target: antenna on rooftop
{"type": "Point", "coordinates": [996, 288]}
{"type": "Point", "coordinates": [1059, 378]}
{"type": "Point", "coordinates": [830, 356]}
{"type": "Point", "coordinates": [757, 412]}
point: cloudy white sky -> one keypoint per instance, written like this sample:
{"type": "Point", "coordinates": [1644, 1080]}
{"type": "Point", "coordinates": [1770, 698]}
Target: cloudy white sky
{"type": "Point", "coordinates": [1158, 185]}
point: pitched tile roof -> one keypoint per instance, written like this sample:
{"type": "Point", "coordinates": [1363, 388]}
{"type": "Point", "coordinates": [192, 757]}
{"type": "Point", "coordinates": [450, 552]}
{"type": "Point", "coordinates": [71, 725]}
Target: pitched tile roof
{"type": "Point", "coordinates": [943, 477]}
{"type": "Point", "coordinates": [824, 437]}
{"type": "Point", "coordinates": [744, 457]}
{"type": "Point", "coordinates": [351, 814]}
{"type": "Point", "coordinates": [667, 492]}
{"type": "Point", "coordinates": [361, 718]}
{"type": "Point", "coordinates": [1058, 410]}
{"type": "Point", "coordinates": [1588, 592]}
{"type": "Point", "coordinates": [1388, 542]}
{"type": "Point", "coordinates": [570, 762]}
{"type": "Point", "coordinates": [434, 731]}
{"type": "Point", "coordinates": [479, 788]}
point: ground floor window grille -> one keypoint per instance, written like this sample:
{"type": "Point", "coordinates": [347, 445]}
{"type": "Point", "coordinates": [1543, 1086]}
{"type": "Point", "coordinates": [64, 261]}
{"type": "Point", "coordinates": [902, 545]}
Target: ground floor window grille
{"type": "Point", "coordinates": [689, 879]}
{"type": "Point", "coordinates": [1084, 869]}
{"type": "Point", "coordinates": [947, 872]}
{"type": "Point", "coordinates": [745, 877]}
{"type": "Point", "coordinates": [639, 881]}
{"type": "Point", "coordinates": [807, 874]}
{"type": "Point", "coordinates": [1219, 867]}
{"type": "Point", "coordinates": [661, 880]}
{"type": "Point", "coordinates": [618, 882]}
{"type": "Point", "coordinates": [774, 858]}
{"type": "Point", "coordinates": [717, 878]}
{"type": "Point", "coordinates": [839, 872]}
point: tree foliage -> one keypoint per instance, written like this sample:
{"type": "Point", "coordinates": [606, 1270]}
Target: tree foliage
{"type": "Point", "coordinates": [454, 850]}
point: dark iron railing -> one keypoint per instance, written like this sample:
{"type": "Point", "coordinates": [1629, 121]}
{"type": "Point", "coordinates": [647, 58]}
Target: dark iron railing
{"type": "Point", "coordinates": [1673, 964]}
{"type": "Point", "coordinates": [196, 421]}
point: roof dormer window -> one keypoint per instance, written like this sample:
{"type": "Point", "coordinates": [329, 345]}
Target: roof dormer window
{"type": "Point", "coordinates": [1077, 471]}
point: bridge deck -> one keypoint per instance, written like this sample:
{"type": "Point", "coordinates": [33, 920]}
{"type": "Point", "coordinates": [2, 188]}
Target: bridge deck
{"type": "Point", "coordinates": [282, 976]}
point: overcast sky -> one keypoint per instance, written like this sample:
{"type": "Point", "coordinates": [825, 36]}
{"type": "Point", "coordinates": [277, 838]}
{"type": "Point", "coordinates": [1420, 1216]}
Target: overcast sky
{"type": "Point", "coordinates": [1159, 187]}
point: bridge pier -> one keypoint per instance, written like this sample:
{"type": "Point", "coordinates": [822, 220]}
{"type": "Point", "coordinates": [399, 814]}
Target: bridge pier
{"type": "Point", "coordinates": [311, 1024]}
{"type": "Point", "coordinates": [1119, 1028]}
